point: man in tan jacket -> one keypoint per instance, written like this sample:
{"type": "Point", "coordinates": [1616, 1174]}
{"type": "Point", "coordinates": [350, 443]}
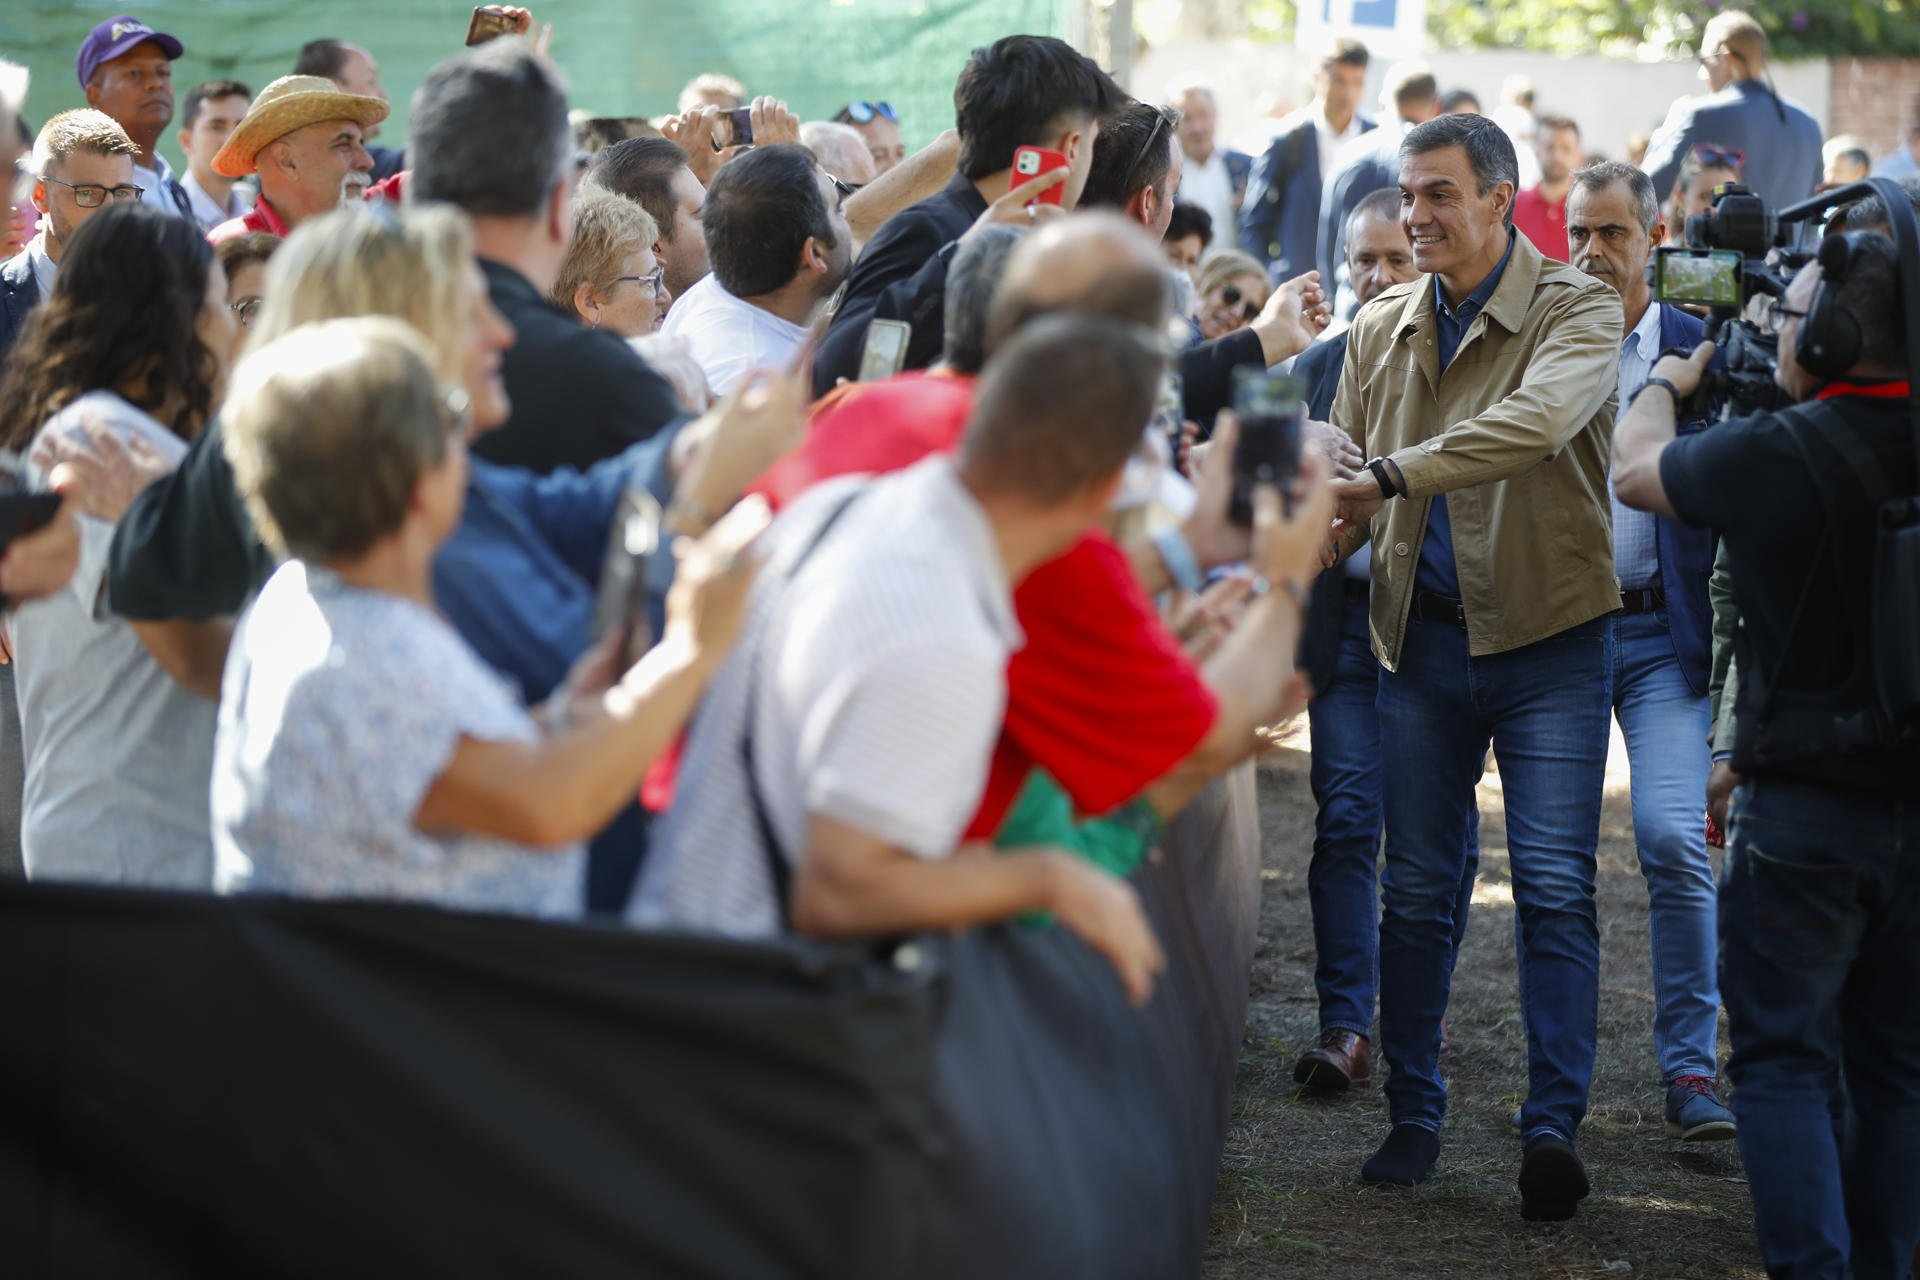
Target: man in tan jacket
{"type": "Point", "coordinates": [1484, 395]}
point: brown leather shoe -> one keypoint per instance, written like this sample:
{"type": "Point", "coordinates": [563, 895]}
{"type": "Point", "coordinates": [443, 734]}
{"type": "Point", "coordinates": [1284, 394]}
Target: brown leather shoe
{"type": "Point", "coordinates": [1341, 1061]}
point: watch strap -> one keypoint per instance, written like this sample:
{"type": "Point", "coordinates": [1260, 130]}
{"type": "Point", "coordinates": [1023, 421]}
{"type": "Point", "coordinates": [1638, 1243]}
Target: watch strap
{"type": "Point", "coordinates": [1383, 475]}
{"type": "Point", "coordinates": [1665, 386]}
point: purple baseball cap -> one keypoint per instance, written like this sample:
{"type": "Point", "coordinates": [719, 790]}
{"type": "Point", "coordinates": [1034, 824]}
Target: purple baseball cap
{"type": "Point", "coordinates": [114, 37]}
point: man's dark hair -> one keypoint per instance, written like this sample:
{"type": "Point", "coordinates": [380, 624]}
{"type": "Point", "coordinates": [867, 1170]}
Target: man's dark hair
{"type": "Point", "coordinates": [1124, 163]}
{"type": "Point", "coordinates": [1415, 91]}
{"type": "Point", "coordinates": [1012, 92]}
{"type": "Point", "coordinates": [1857, 155]}
{"type": "Point", "coordinates": [1545, 125]}
{"type": "Point", "coordinates": [489, 132]}
{"type": "Point", "coordinates": [1871, 294]}
{"type": "Point", "coordinates": [1870, 214]}
{"type": "Point", "coordinates": [326, 58]}
{"type": "Point", "coordinates": [972, 278]}
{"type": "Point", "coordinates": [641, 169]}
{"type": "Point", "coordinates": [211, 91]}
{"type": "Point", "coordinates": [1383, 204]}
{"type": "Point", "coordinates": [1344, 52]}
{"type": "Point", "coordinates": [1027, 439]}
{"type": "Point", "coordinates": [1488, 149]}
{"type": "Point", "coordinates": [1458, 100]}
{"type": "Point", "coordinates": [1190, 220]}
{"type": "Point", "coordinates": [761, 210]}
{"type": "Point", "coordinates": [1603, 174]}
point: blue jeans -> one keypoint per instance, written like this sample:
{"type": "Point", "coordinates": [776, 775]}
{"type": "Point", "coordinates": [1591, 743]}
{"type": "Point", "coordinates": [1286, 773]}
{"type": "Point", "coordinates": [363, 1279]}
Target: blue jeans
{"type": "Point", "coordinates": [1545, 708]}
{"type": "Point", "coordinates": [1820, 963]}
{"type": "Point", "coordinates": [1342, 880]}
{"type": "Point", "coordinates": [1665, 725]}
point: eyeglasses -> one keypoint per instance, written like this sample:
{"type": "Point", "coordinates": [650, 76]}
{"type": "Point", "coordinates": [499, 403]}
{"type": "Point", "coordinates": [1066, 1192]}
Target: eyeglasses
{"type": "Point", "coordinates": [1709, 157]}
{"type": "Point", "coordinates": [865, 112]}
{"type": "Point", "coordinates": [1240, 304]}
{"type": "Point", "coordinates": [1163, 118]}
{"type": "Point", "coordinates": [1771, 314]}
{"type": "Point", "coordinates": [245, 309]}
{"type": "Point", "coordinates": [91, 195]}
{"type": "Point", "coordinates": [846, 189]}
{"type": "Point", "coordinates": [652, 282]}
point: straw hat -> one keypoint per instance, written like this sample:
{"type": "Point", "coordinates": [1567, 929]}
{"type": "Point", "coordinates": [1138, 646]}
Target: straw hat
{"type": "Point", "coordinates": [289, 103]}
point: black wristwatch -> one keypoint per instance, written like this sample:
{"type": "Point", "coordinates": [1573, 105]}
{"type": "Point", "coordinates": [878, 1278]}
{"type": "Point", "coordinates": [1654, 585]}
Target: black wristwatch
{"type": "Point", "coordinates": [1383, 477]}
{"type": "Point", "coordinates": [1665, 386]}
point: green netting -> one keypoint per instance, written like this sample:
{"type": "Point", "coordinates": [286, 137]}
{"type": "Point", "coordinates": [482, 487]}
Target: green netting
{"type": "Point", "coordinates": [620, 59]}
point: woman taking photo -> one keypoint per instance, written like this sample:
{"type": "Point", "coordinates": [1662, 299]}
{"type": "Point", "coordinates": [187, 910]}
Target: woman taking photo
{"type": "Point", "coordinates": [134, 341]}
{"type": "Point", "coordinates": [365, 750]}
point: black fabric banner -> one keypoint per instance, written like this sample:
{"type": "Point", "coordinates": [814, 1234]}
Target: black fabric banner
{"type": "Point", "coordinates": [194, 1086]}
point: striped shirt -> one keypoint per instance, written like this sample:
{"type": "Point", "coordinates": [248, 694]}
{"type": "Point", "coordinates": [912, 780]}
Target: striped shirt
{"type": "Point", "coordinates": [875, 679]}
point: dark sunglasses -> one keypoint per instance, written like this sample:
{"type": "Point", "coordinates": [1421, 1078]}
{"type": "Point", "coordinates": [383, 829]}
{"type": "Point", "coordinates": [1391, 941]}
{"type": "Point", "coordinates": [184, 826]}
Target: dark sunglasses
{"type": "Point", "coordinates": [845, 189]}
{"type": "Point", "coordinates": [866, 112]}
{"type": "Point", "coordinates": [1240, 302]}
{"type": "Point", "coordinates": [1707, 157]}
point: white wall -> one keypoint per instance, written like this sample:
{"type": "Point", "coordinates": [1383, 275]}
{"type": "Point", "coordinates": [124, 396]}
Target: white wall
{"type": "Point", "coordinates": [1612, 98]}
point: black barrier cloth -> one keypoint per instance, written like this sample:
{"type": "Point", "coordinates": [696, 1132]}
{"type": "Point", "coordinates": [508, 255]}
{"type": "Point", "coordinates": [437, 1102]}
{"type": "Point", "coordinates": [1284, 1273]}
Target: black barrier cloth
{"type": "Point", "coordinates": [195, 1086]}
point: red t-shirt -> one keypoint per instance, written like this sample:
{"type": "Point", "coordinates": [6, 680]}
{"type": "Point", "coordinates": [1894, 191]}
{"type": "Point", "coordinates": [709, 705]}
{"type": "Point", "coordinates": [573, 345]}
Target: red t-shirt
{"type": "Point", "coordinates": [262, 217]}
{"type": "Point", "coordinates": [1101, 696]}
{"type": "Point", "coordinates": [1543, 222]}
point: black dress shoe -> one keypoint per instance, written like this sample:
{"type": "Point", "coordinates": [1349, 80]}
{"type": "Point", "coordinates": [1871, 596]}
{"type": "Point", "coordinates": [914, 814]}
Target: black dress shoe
{"type": "Point", "coordinates": [1405, 1159]}
{"type": "Point", "coordinates": [1553, 1182]}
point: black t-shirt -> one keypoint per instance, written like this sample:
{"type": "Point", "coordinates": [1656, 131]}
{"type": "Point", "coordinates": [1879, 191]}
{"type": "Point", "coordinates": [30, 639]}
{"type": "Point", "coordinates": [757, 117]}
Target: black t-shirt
{"type": "Point", "coordinates": [1748, 480]}
{"type": "Point", "coordinates": [186, 547]}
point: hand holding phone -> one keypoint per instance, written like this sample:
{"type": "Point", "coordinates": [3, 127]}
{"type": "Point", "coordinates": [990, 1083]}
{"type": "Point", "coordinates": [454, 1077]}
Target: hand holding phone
{"type": "Point", "coordinates": [885, 350]}
{"type": "Point", "coordinates": [1272, 414]}
{"type": "Point", "coordinates": [1031, 162]}
{"type": "Point", "coordinates": [491, 21]}
{"type": "Point", "coordinates": [738, 128]}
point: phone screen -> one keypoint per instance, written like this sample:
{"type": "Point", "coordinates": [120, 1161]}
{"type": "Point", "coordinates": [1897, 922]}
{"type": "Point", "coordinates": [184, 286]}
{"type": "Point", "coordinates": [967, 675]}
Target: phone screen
{"type": "Point", "coordinates": [740, 120]}
{"type": "Point", "coordinates": [622, 606]}
{"type": "Point", "coordinates": [1273, 413]}
{"type": "Point", "coordinates": [1697, 277]}
{"type": "Point", "coordinates": [886, 349]}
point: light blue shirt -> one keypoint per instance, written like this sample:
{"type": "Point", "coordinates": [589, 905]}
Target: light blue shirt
{"type": "Point", "coordinates": [153, 184]}
{"type": "Point", "coordinates": [1636, 555]}
{"type": "Point", "coordinates": [1897, 164]}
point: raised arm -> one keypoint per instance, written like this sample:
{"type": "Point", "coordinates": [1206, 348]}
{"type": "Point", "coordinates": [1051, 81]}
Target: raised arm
{"type": "Point", "coordinates": [920, 175]}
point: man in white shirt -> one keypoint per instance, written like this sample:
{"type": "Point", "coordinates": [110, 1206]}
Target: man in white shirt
{"type": "Point", "coordinates": [1279, 221]}
{"type": "Point", "coordinates": [82, 162]}
{"type": "Point", "coordinates": [211, 112]}
{"type": "Point", "coordinates": [1215, 177]}
{"type": "Point", "coordinates": [841, 753]}
{"type": "Point", "coordinates": [779, 245]}
{"type": "Point", "coordinates": [126, 69]}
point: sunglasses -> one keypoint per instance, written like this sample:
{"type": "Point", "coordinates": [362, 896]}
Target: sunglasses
{"type": "Point", "coordinates": [1240, 304]}
{"type": "Point", "coordinates": [1708, 157]}
{"type": "Point", "coordinates": [91, 195]}
{"type": "Point", "coordinates": [1163, 118]}
{"type": "Point", "coordinates": [867, 112]}
{"type": "Point", "coordinates": [846, 189]}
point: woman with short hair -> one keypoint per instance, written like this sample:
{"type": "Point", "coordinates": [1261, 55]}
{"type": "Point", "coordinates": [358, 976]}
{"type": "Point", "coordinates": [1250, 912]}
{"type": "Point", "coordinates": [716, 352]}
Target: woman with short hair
{"type": "Point", "coordinates": [610, 278]}
{"type": "Point", "coordinates": [1232, 289]}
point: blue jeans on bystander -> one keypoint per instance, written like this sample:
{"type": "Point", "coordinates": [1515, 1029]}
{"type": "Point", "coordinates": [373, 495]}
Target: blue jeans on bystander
{"type": "Point", "coordinates": [1545, 708]}
{"type": "Point", "coordinates": [1820, 963]}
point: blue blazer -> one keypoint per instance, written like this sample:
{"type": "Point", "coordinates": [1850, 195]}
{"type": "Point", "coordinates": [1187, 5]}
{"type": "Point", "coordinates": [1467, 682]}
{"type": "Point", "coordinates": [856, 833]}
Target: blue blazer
{"type": "Point", "coordinates": [19, 294]}
{"type": "Point", "coordinates": [1279, 220]}
{"type": "Point", "coordinates": [1780, 141]}
{"type": "Point", "coordinates": [1686, 553]}
{"type": "Point", "coordinates": [1364, 166]}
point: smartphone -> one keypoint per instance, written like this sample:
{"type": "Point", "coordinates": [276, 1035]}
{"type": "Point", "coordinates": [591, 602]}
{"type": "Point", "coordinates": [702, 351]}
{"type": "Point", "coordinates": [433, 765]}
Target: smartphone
{"type": "Point", "coordinates": [1272, 409]}
{"type": "Point", "coordinates": [886, 349]}
{"type": "Point", "coordinates": [22, 513]}
{"type": "Point", "coordinates": [622, 606]}
{"type": "Point", "coordinates": [740, 122]}
{"type": "Point", "coordinates": [1698, 277]}
{"type": "Point", "coordinates": [486, 24]}
{"type": "Point", "coordinates": [1030, 162]}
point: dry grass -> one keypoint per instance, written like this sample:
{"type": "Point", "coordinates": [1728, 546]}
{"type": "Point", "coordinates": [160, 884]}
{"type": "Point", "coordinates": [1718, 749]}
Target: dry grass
{"type": "Point", "coordinates": [1289, 1201]}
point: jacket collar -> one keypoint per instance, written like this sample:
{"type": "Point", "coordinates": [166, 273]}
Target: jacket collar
{"type": "Point", "coordinates": [1511, 299]}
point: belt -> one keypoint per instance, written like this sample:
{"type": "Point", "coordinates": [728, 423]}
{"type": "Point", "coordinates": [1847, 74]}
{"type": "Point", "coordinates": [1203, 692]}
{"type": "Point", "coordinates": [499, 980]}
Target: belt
{"type": "Point", "coordinates": [1430, 606]}
{"type": "Point", "coordinates": [1359, 589]}
{"type": "Point", "coordinates": [1643, 600]}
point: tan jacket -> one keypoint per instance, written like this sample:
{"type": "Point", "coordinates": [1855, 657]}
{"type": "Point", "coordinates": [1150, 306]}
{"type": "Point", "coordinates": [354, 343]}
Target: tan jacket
{"type": "Point", "coordinates": [1518, 434]}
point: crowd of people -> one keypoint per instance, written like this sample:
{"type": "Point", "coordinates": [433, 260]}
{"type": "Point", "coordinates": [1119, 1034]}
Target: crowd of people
{"type": "Point", "coordinates": [348, 439]}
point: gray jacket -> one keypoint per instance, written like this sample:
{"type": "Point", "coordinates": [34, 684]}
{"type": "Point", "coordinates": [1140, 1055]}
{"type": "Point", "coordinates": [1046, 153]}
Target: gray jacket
{"type": "Point", "coordinates": [1781, 142]}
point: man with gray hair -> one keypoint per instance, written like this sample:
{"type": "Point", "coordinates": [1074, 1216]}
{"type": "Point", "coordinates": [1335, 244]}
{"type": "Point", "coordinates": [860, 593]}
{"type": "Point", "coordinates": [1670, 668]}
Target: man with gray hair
{"type": "Point", "coordinates": [1662, 651]}
{"type": "Point", "coordinates": [840, 150]}
{"type": "Point", "coordinates": [1215, 177]}
{"type": "Point", "coordinates": [1492, 593]}
{"type": "Point", "coordinates": [490, 136]}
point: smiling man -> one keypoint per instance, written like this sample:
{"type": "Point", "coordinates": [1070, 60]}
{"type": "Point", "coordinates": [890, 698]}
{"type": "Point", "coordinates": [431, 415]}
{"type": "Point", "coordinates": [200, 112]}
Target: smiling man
{"type": "Point", "coordinates": [1484, 394]}
{"type": "Point", "coordinates": [307, 141]}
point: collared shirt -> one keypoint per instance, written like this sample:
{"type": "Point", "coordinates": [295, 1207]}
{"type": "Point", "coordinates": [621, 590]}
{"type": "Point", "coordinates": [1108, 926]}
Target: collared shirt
{"type": "Point", "coordinates": [870, 680]}
{"type": "Point", "coordinates": [45, 269]}
{"type": "Point", "coordinates": [262, 217]}
{"type": "Point", "coordinates": [730, 337]}
{"type": "Point", "coordinates": [1636, 554]}
{"type": "Point", "coordinates": [206, 211]}
{"type": "Point", "coordinates": [157, 187]}
{"type": "Point", "coordinates": [1437, 570]}
{"type": "Point", "coordinates": [1331, 139]}
{"type": "Point", "coordinates": [1210, 186]}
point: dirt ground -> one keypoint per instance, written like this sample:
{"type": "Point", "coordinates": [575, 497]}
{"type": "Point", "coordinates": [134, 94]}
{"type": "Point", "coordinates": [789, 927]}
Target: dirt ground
{"type": "Point", "coordinates": [1289, 1201]}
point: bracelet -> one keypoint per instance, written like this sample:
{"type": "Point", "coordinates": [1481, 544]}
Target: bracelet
{"type": "Point", "coordinates": [1665, 386]}
{"type": "Point", "coordinates": [1293, 591]}
{"type": "Point", "coordinates": [1177, 554]}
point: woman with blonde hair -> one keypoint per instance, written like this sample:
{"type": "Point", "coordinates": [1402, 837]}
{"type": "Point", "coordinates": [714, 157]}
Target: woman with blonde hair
{"type": "Point", "coordinates": [610, 278]}
{"type": "Point", "coordinates": [1232, 289]}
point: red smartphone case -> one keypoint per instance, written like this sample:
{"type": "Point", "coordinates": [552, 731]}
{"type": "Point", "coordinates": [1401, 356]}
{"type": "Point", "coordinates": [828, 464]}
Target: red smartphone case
{"type": "Point", "coordinates": [1030, 162]}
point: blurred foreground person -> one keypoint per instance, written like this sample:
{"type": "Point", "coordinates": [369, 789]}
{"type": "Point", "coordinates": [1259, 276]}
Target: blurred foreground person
{"type": "Point", "coordinates": [909, 579]}
{"type": "Point", "coordinates": [365, 750]}
{"type": "Point", "coordinates": [134, 341]}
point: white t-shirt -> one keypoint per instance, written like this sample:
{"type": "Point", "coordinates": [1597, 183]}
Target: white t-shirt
{"type": "Point", "coordinates": [876, 678]}
{"type": "Point", "coordinates": [339, 709]}
{"type": "Point", "coordinates": [1210, 186]}
{"type": "Point", "coordinates": [730, 338]}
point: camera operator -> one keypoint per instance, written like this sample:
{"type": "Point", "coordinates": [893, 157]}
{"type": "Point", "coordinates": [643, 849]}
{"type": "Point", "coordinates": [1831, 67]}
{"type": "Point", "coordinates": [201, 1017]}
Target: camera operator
{"type": "Point", "coordinates": [1820, 942]}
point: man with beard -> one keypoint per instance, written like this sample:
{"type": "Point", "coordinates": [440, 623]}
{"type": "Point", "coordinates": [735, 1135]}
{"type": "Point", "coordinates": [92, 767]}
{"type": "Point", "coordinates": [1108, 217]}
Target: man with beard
{"type": "Point", "coordinates": [82, 162]}
{"type": "Point", "coordinates": [307, 141]}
